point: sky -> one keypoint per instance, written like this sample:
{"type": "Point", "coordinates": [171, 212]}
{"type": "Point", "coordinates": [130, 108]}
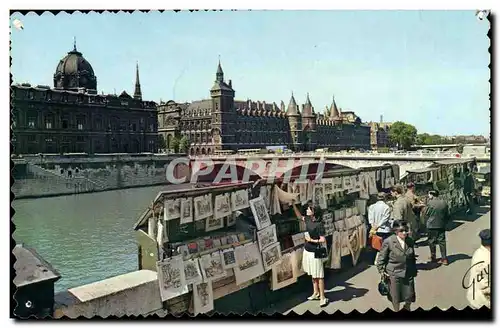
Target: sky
{"type": "Point", "coordinates": [426, 68]}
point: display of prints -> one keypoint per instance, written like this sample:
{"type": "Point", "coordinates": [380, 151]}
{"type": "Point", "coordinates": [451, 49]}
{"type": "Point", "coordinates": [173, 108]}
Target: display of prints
{"type": "Point", "coordinates": [202, 207]}
{"type": "Point", "coordinates": [211, 266]}
{"type": "Point", "coordinates": [259, 210]}
{"type": "Point", "coordinates": [231, 220]}
{"type": "Point", "coordinates": [297, 262]}
{"type": "Point", "coordinates": [183, 250]}
{"type": "Point", "coordinates": [354, 246]}
{"type": "Point", "coordinates": [171, 278]}
{"type": "Point", "coordinates": [319, 196]}
{"type": "Point", "coordinates": [172, 209]}
{"type": "Point", "coordinates": [282, 272]}
{"type": "Point", "coordinates": [222, 206]}
{"type": "Point", "coordinates": [211, 223]}
{"type": "Point", "coordinates": [303, 192]}
{"type": "Point", "coordinates": [362, 235]}
{"type": "Point", "coordinates": [348, 212]}
{"type": "Point", "coordinates": [186, 210]}
{"type": "Point", "coordinates": [298, 239]}
{"type": "Point", "coordinates": [267, 236]}
{"type": "Point", "coordinates": [249, 262]}
{"type": "Point", "coordinates": [338, 184]}
{"type": "Point", "coordinates": [239, 199]}
{"type": "Point", "coordinates": [192, 272]}
{"type": "Point", "coordinates": [372, 183]}
{"type": "Point", "coordinates": [203, 298]}
{"type": "Point", "coordinates": [346, 183]}
{"type": "Point", "coordinates": [344, 243]}
{"type": "Point", "coordinates": [357, 182]}
{"type": "Point", "coordinates": [265, 194]}
{"type": "Point", "coordinates": [352, 186]}
{"type": "Point", "coordinates": [335, 252]}
{"type": "Point", "coordinates": [228, 259]}
{"type": "Point", "coordinates": [271, 255]}
{"type": "Point", "coordinates": [364, 186]}
{"type": "Point", "coordinates": [328, 186]}
{"type": "Point", "coordinates": [310, 190]}
{"type": "Point", "coordinates": [361, 205]}
{"type": "Point", "coordinates": [336, 215]}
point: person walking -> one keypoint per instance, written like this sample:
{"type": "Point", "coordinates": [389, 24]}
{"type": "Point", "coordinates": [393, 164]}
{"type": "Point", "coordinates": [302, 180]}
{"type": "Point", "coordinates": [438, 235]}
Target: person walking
{"type": "Point", "coordinates": [469, 191]}
{"type": "Point", "coordinates": [437, 216]}
{"type": "Point", "coordinates": [478, 289]}
{"type": "Point", "coordinates": [397, 262]}
{"type": "Point", "coordinates": [313, 266]}
{"type": "Point", "coordinates": [379, 217]}
{"type": "Point", "coordinates": [402, 210]}
{"type": "Point", "coordinates": [417, 206]}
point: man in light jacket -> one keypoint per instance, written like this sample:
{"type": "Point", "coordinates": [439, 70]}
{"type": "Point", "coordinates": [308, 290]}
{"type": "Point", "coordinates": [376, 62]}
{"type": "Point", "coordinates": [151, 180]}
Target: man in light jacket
{"type": "Point", "coordinates": [379, 217]}
{"type": "Point", "coordinates": [478, 289]}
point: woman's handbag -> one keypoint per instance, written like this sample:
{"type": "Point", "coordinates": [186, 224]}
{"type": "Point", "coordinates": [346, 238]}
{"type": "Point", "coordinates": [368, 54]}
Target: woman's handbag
{"type": "Point", "coordinates": [320, 252]}
{"type": "Point", "coordinates": [383, 285]}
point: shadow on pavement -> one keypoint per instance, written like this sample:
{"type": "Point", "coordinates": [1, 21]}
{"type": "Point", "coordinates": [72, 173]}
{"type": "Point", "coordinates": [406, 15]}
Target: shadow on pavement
{"type": "Point", "coordinates": [345, 294]}
{"type": "Point", "coordinates": [458, 257]}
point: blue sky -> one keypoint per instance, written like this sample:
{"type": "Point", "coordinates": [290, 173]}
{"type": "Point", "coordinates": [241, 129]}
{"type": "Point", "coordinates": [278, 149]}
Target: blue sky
{"type": "Point", "coordinates": [427, 68]}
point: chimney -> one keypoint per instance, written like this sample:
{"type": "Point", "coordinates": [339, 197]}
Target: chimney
{"type": "Point", "coordinates": [381, 118]}
{"type": "Point", "coordinates": [230, 84]}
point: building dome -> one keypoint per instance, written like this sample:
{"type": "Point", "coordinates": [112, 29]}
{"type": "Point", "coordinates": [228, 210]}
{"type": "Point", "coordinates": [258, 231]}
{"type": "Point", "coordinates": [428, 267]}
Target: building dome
{"type": "Point", "coordinates": [74, 72]}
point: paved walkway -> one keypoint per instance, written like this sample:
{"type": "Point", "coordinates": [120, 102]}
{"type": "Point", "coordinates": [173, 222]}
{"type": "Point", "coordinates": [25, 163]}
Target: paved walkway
{"type": "Point", "coordinates": [436, 285]}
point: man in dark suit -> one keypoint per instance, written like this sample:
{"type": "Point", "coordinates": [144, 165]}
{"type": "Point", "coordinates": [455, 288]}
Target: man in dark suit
{"type": "Point", "coordinates": [469, 190]}
{"type": "Point", "coordinates": [437, 216]}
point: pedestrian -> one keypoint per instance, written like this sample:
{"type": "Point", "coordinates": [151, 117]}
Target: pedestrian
{"type": "Point", "coordinates": [379, 217]}
{"type": "Point", "coordinates": [437, 216]}
{"type": "Point", "coordinates": [312, 264]}
{"type": "Point", "coordinates": [417, 206]}
{"type": "Point", "coordinates": [479, 292]}
{"type": "Point", "coordinates": [397, 262]}
{"type": "Point", "coordinates": [402, 209]}
{"type": "Point", "coordinates": [469, 191]}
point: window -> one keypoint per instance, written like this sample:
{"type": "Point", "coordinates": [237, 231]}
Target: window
{"type": "Point", "coordinates": [31, 120]}
{"type": "Point", "coordinates": [65, 124]}
{"type": "Point", "coordinates": [31, 138]}
{"type": "Point", "coordinates": [134, 127]}
{"type": "Point", "coordinates": [48, 139]}
{"type": "Point", "coordinates": [80, 123]}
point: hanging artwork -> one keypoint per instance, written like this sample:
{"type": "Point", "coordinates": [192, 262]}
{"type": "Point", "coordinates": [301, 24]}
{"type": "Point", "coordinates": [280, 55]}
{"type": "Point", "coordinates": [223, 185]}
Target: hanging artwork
{"type": "Point", "coordinates": [282, 272]}
{"type": "Point", "coordinates": [354, 245]}
{"type": "Point", "coordinates": [297, 262]}
{"type": "Point", "coordinates": [171, 278]}
{"type": "Point", "coordinates": [328, 223]}
{"type": "Point", "coordinates": [346, 183]}
{"type": "Point", "coordinates": [222, 206]}
{"type": "Point", "coordinates": [186, 210]}
{"type": "Point", "coordinates": [336, 251]}
{"type": "Point", "coordinates": [228, 259]}
{"type": "Point", "coordinates": [267, 236]}
{"type": "Point", "coordinates": [364, 186]}
{"type": "Point", "coordinates": [298, 239]}
{"type": "Point", "coordinates": [192, 271]}
{"type": "Point", "coordinates": [211, 266]}
{"type": "Point", "coordinates": [319, 196]}
{"type": "Point", "coordinates": [249, 262]}
{"type": "Point", "coordinates": [348, 212]}
{"type": "Point", "coordinates": [211, 223]}
{"type": "Point", "coordinates": [259, 210]}
{"type": "Point", "coordinates": [361, 205]}
{"type": "Point", "coordinates": [203, 298]}
{"type": "Point", "coordinates": [231, 219]}
{"type": "Point", "coordinates": [344, 243]}
{"type": "Point", "coordinates": [338, 184]}
{"type": "Point", "coordinates": [202, 207]}
{"type": "Point", "coordinates": [271, 255]}
{"type": "Point", "coordinates": [265, 194]}
{"type": "Point", "coordinates": [357, 182]}
{"type": "Point", "coordinates": [183, 250]}
{"type": "Point", "coordinates": [328, 186]}
{"type": "Point", "coordinates": [294, 188]}
{"type": "Point", "coordinates": [303, 193]}
{"type": "Point", "coordinates": [362, 235]}
{"type": "Point", "coordinates": [372, 183]}
{"type": "Point", "coordinates": [239, 200]}
{"type": "Point", "coordinates": [352, 186]}
{"type": "Point", "coordinates": [172, 209]}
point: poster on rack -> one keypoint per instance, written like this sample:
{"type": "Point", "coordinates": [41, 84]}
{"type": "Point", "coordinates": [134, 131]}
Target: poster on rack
{"type": "Point", "coordinates": [346, 183]}
{"type": "Point", "coordinates": [211, 223]}
{"type": "Point", "coordinates": [239, 200]}
{"type": "Point", "coordinates": [335, 251]}
{"type": "Point", "coordinates": [298, 239]}
{"type": "Point", "coordinates": [271, 255]}
{"type": "Point", "coordinates": [186, 210]}
{"type": "Point", "coordinates": [202, 207]}
{"type": "Point", "coordinates": [337, 184]}
{"type": "Point", "coordinates": [265, 194]}
{"type": "Point", "coordinates": [297, 262]}
{"type": "Point", "coordinates": [259, 211]}
{"type": "Point", "coordinates": [172, 209]}
{"type": "Point", "coordinates": [203, 298]}
{"type": "Point", "coordinates": [211, 266]}
{"type": "Point", "coordinates": [294, 188]}
{"type": "Point", "coordinates": [171, 278]}
{"type": "Point", "coordinates": [352, 186]}
{"type": "Point", "coordinates": [328, 186]}
{"type": "Point", "coordinates": [344, 243]}
{"type": "Point", "coordinates": [231, 219]}
{"type": "Point", "coordinates": [362, 235]}
{"type": "Point", "coordinates": [222, 206]}
{"type": "Point", "coordinates": [249, 262]}
{"type": "Point", "coordinates": [319, 196]}
{"type": "Point", "coordinates": [364, 186]}
{"type": "Point", "coordinates": [267, 236]}
{"type": "Point", "coordinates": [228, 259]}
{"type": "Point", "coordinates": [354, 245]}
{"type": "Point", "coordinates": [372, 183]}
{"type": "Point", "coordinates": [192, 271]}
{"type": "Point", "coordinates": [282, 272]}
{"type": "Point", "coordinates": [357, 182]}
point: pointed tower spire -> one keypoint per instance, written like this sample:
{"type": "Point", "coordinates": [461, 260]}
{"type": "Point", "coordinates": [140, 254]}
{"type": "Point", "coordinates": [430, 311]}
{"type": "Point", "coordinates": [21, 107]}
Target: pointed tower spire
{"type": "Point", "coordinates": [220, 74]}
{"type": "Point", "coordinates": [307, 107]}
{"type": "Point", "coordinates": [334, 112]}
{"type": "Point", "coordinates": [74, 44]}
{"type": "Point", "coordinates": [137, 91]}
{"type": "Point", "coordinates": [293, 109]}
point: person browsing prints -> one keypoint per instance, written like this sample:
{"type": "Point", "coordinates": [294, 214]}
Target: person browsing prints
{"type": "Point", "coordinates": [311, 265]}
{"type": "Point", "coordinates": [402, 209]}
{"type": "Point", "coordinates": [479, 292]}
{"type": "Point", "coordinates": [397, 261]}
{"type": "Point", "coordinates": [437, 216]}
{"type": "Point", "coordinates": [379, 217]}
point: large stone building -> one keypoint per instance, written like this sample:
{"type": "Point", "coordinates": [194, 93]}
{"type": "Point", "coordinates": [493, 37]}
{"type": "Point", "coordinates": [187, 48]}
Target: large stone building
{"type": "Point", "coordinates": [379, 137]}
{"type": "Point", "coordinates": [72, 118]}
{"type": "Point", "coordinates": [223, 123]}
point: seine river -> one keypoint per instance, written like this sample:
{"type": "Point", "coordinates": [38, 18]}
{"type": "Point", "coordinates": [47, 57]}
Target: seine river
{"type": "Point", "coordinates": [86, 237]}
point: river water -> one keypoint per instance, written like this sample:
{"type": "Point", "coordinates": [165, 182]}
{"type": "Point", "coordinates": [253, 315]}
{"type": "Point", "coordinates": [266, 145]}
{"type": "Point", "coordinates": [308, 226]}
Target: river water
{"type": "Point", "coordinates": [86, 237]}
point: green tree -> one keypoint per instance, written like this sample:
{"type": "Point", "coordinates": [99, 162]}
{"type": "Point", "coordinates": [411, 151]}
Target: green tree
{"type": "Point", "coordinates": [174, 144]}
{"type": "Point", "coordinates": [403, 135]}
{"type": "Point", "coordinates": [161, 142]}
{"type": "Point", "coordinates": [183, 144]}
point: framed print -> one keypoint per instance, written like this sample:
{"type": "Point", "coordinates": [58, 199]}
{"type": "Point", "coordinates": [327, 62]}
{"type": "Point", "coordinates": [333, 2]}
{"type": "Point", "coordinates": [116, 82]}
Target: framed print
{"type": "Point", "coordinates": [192, 271]}
{"type": "Point", "coordinates": [298, 239]}
{"type": "Point", "coordinates": [211, 266]}
{"type": "Point", "coordinates": [249, 263]}
{"type": "Point", "coordinates": [297, 262]}
{"type": "Point", "coordinates": [228, 259]}
{"type": "Point", "coordinates": [239, 200]}
{"type": "Point", "coordinates": [172, 209]}
{"type": "Point", "coordinates": [259, 211]}
{"type": "Point", "coordinates": [171, 278]}
{"type": "Point", "coordinates": [203, 297]}
{"type": "Point", "coordinates": [267, 236]}
{"type": "Point", "coordinates": [222, 206]}
{"type": "Point", "coordinates": [186, 210]}
{"type": "Point", "coordinates": [202, 207]}
{"type": "Point", "coordinates": [271, 255]}
{"type": "Point", "coordinates": [282, 272]}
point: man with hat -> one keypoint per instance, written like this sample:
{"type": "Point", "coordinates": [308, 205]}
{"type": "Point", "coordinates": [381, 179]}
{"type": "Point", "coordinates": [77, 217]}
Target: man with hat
{"type": "Point", "coordinates": [478, 289]}
{"type": "Point", "coordinates": [402, 209]}
{"type": "Point", "coordinates": [379, 217]}
{"type": "Point", "coordinates": [417, 208]}
{"type": "Point", "coordinates": [437, 216]}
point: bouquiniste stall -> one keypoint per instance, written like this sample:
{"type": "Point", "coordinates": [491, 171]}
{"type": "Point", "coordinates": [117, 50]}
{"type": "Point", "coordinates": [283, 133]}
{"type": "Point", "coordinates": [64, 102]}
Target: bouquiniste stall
{"type": "Point", "coordinates": [238, 247]}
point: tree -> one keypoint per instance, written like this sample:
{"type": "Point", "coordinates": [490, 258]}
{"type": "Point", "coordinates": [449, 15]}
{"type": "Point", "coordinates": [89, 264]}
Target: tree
{"type": "Point", "coordinates": [161, 142]}
{"type": "Point", "coordinates": [174, 144]}
{"type": "Point", "coordinates": [183, 144]}
{"type": "Point", "coordinates": [403, 135]}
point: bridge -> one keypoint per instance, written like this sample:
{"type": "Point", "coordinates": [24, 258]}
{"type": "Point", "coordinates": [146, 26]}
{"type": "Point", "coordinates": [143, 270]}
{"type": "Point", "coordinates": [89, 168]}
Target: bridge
{"type": "Point", "coordinates": [256, 162]}
{"type": "Point", "coordinates": [448, 146]}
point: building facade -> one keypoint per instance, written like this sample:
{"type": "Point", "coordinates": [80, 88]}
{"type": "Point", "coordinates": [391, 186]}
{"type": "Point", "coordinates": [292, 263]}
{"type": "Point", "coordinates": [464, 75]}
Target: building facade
{"type": "Point", "coordinates": [72, 118]}
{"type": "Point", "coordinates": [379, 135]}
{"type": "Point", "coordinates": [223, 123]}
